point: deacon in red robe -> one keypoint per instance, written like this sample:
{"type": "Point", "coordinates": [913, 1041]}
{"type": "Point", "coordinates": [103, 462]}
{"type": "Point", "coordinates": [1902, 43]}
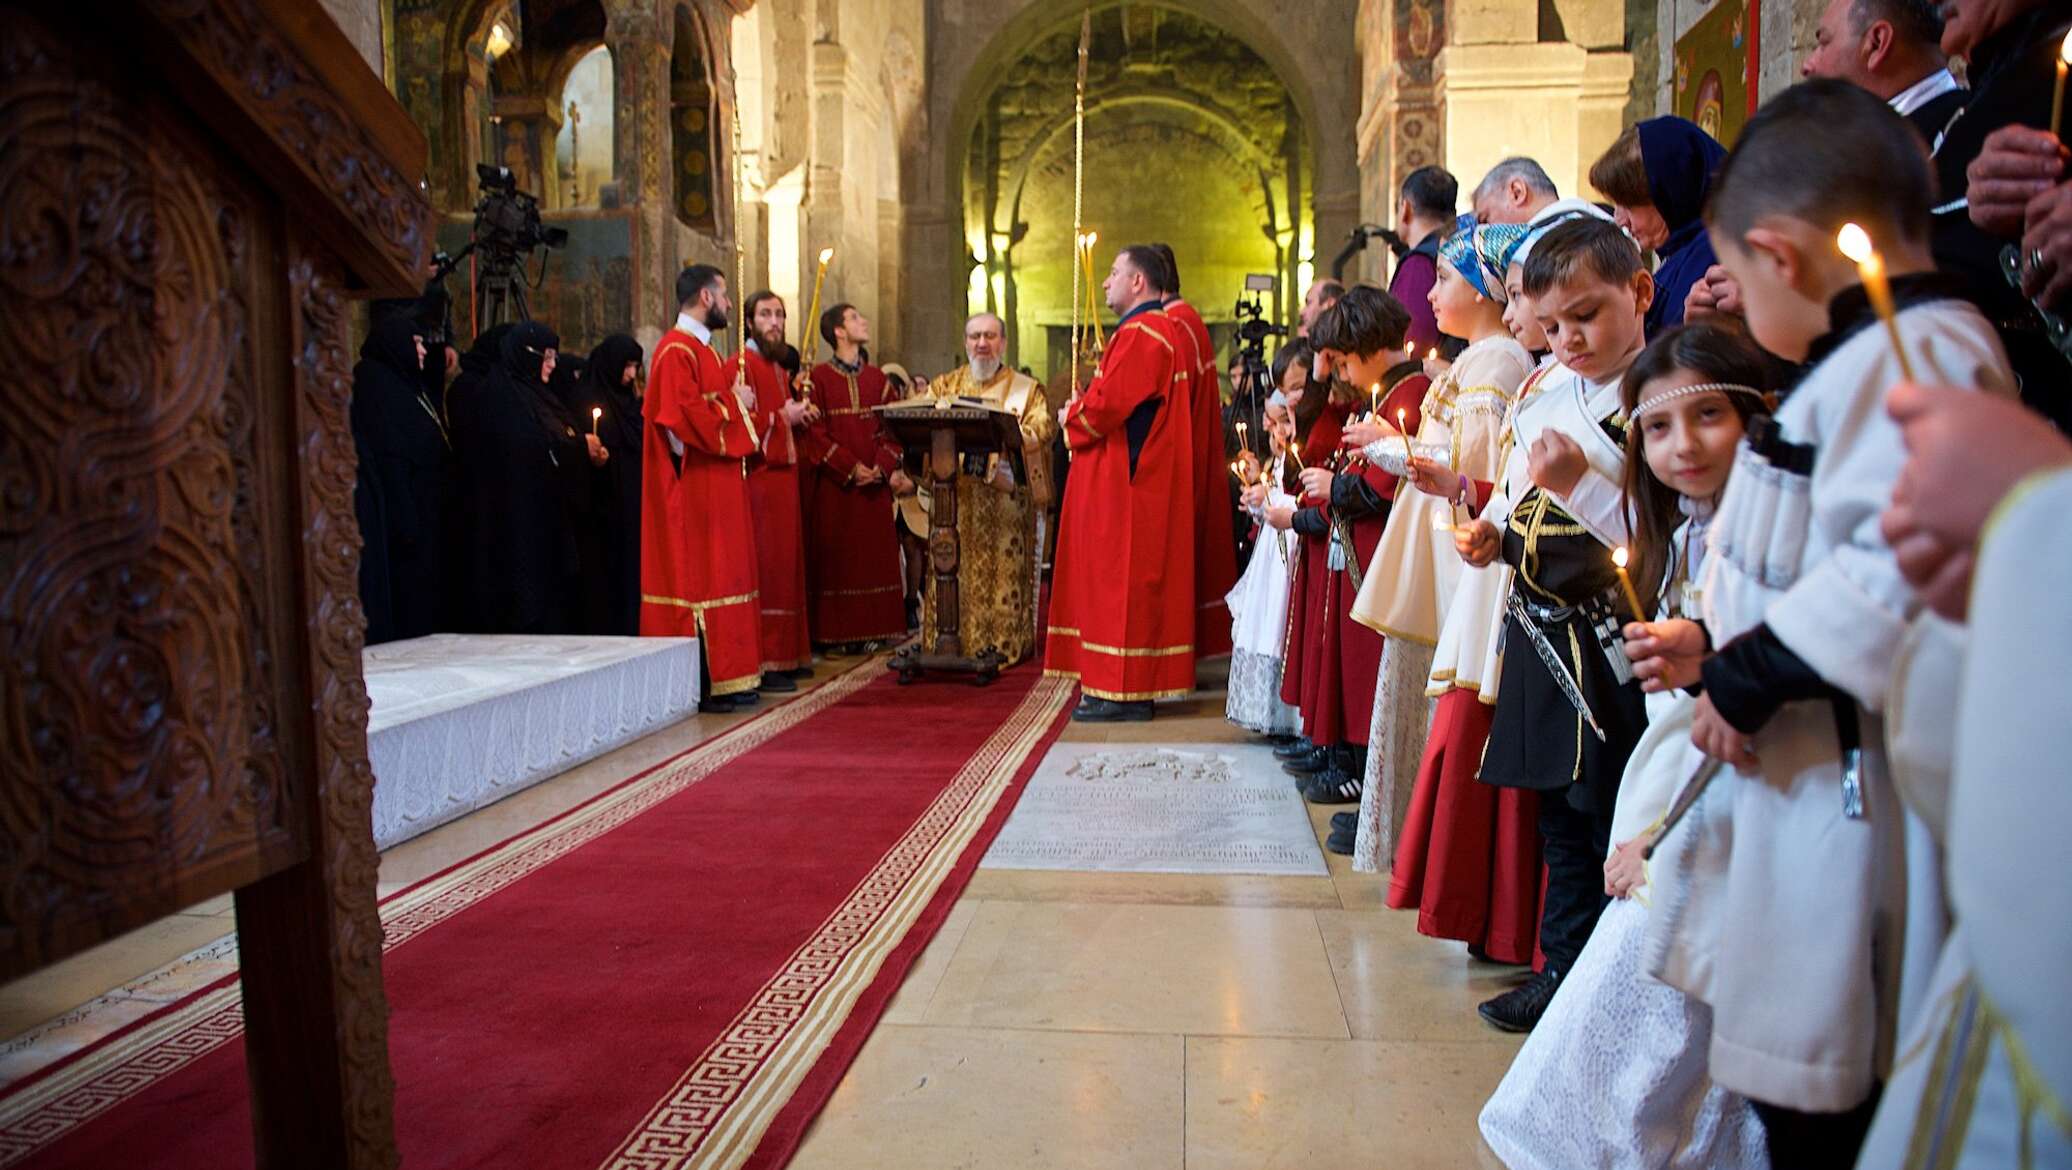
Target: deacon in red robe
{"type": "Point", "coordinates": [773, 493]}
{"type": "Point", "coordinates": [697, 549]}
{"type": "Point", "coordinates": [1122, 592]}
{"type": "Point", "coordinates": [1215, 534]}
{"type": "Point", "coordinates": [858, 593]}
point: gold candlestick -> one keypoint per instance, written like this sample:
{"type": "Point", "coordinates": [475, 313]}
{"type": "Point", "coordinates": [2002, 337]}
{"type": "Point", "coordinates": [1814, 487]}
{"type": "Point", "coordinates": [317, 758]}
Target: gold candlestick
{"type": "Point", "coordinates": [1626, 583]}
{"type": "Point", "coordinates": [1855, 243]}
{"type": "Point", "coordinates": [812, 323]}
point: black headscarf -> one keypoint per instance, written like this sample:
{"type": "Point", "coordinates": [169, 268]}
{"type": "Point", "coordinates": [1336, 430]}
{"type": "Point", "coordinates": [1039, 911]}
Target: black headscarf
{"type": "Point", "coordinates": [524, 350]}
{"type": "Point", "coordinates": [400, 489]}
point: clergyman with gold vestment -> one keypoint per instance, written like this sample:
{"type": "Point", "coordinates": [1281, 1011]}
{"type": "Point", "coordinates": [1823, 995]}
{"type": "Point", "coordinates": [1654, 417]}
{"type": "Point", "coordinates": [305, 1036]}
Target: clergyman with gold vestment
{"type": "Point", "coordinates": [998, 537]}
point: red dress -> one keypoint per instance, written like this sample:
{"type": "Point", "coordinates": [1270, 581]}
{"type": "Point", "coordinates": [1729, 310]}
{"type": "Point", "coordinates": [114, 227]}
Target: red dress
{"type": "Point", "coordinates": [852, 549]}
{"type": "Point", "coordinates": [1359, 646]}
{"type": "Point", "coordinates": [1215, 538]}
{"type": "Point", "coordinates": [1115, 625]}
{"type": "Point", "coordinates": [773, 498]}
{"type": "Point", "coordinates": [697, 549]}
{"type": "Point", "coordinates": [1310, 581]}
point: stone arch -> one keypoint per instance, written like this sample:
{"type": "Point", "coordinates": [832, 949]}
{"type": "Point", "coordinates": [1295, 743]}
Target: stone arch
{"type": "Point", "coordinates": [973, 44]}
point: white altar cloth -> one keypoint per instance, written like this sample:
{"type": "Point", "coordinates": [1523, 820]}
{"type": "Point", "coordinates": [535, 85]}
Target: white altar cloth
{"type": "Point", "coordinates": [460, 721]}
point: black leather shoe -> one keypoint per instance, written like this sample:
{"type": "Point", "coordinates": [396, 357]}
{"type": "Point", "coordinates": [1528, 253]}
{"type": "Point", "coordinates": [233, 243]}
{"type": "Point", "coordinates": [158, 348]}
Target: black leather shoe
{"type": "Point", "coordinates": [717, 705]}
{"type": "Point", "coordinates": [1093, 710]}
{"type": "Point", "coordinates": [746, 698]}
{"type": "Point", "coordinates": [1346, 822]}
{"type": "Point", "coordinates": [1520, 1009]}
{"type": "Point", "coordinates": [777, 682]}
{"type": "Point", "coordinates": [1293, 749]}
{"type": "Point", "coordinates": [800, 672]}
{"type": "Point", "coordinates": [1316, 761]}
{"type": "Point", "coordinates": [1341, 841]}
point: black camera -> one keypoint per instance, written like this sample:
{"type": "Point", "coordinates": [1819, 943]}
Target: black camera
{"type": "Point", "coordinates": [1252, 326]}
{"type": "Point", "coordinates": [507, 219]}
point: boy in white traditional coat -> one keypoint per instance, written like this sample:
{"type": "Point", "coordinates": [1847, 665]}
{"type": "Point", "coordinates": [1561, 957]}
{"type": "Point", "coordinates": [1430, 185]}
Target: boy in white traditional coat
{"type": "Point", "coordinates": [1789, 877]}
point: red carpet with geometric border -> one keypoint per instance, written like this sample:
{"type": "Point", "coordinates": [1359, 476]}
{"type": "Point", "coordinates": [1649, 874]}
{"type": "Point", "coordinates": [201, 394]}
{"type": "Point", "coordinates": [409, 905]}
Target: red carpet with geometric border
{"type": "Point", "coordinates": [674, 974]}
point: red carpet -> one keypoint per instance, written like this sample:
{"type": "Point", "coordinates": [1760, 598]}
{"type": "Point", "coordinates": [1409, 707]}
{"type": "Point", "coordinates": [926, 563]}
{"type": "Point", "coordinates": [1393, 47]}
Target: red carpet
{"type": "Point", "coordinates": [674, 974]}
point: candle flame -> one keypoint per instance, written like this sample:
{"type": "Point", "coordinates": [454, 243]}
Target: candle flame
{"type": "Point", "coordinates": [826, 254]}
{"type": "Point", "coordinates": [1400, 412]}
{"type": "Point", "coordinates": [596, 412]}
{"type": "Point", "coordinates": [1092, 238]}
{"type": "Point", "coordinates": [1619, 556]}
{"type": "Point", "coordinates": [1410, 347]}
{"type": "Point", "coordinates": [1433, 355]}
{"type": "Point", "coordinates": [2065, 50]}
{"type": "Point", "coordinates": [1855, 243]}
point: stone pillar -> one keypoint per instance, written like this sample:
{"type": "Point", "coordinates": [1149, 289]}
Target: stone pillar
{"type": "Point", "coordinates": [640, 156]}
{"type": "Point", "coordinates": [1498, 99]}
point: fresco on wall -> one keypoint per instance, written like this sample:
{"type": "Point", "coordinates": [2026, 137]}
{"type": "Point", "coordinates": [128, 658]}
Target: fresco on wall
{"type": "Point", "coordinates": [583, 145]}
{"type": "Point", "coordinates": [1716, 69]}
{"type": "Point", "coordinates": [586, 293]}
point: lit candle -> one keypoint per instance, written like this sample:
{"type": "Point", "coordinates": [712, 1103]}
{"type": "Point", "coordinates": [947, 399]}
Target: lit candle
{"type": "Point", "coordinates": [1855, 243]}
{"type": "Point", "coordinates": [812, 323]}
{"type": "Point", "coordinates": [1626, 583]}
{"type": "Point", "coordinates": [1403, 431]}
{"type": "Point", "coordinates": [1432, 354]}
{"type": "Point", "coordinates": [596, 414]}
{"type": "Point", "coordinates": [2057, 95]}
{"type": "Point", "coordinates": [1243, 442]}
{"type": "Point", "coordinates": [1374, 400]}
{"type": "Point", "coordinates": [1410, 349]}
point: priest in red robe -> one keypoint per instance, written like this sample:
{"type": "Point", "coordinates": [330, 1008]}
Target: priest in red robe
{"type": "Point", "coordinates": [773, 493]}
{"type": "Point", "coordinates": [1122, 593]}
{"type": "Point", "coordinates": [1215, 530]}
{"type": "Point", "coordinates": [697, 548]}
{"type": "Point", "coordinates": [858, 592]}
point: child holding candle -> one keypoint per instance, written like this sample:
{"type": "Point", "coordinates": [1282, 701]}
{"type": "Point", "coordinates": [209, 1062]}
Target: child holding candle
{"type": "Point", "coordinates": [1801, 855]}
{"type": "Point", "coordinates": [1408, 581]}
{"type": "Point", "coordinates": [1259, 602]}
{"type": "Point", "coordinates": [1567, 711]}
{"type": "Point", "coordinates": [1690, 396]}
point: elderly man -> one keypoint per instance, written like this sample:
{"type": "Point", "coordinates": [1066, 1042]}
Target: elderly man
{"type": "Point", "coordinates": [1893, 49]}
{"type": "Point", "coordinates": [998, 533]}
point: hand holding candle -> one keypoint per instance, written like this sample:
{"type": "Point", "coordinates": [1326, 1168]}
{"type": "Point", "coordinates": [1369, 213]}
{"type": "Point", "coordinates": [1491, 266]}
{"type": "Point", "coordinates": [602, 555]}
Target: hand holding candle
{"type": "Point", "coordinates": [1855, 243]}
{"type": "Point", "coordinates": [1626, 583]}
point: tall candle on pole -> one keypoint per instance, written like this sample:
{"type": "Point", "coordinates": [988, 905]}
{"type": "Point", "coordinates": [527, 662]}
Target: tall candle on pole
{"type": "Point", "coordinates": [811, 325]}
{"type": "Point", "coordinates": [1855, 243]}
{"type": "Point", "coordinates": [1086, 36]}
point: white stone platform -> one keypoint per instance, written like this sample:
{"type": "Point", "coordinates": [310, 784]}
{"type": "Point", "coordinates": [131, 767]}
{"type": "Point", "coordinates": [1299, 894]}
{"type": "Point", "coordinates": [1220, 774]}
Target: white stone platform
{"type": "Point", "coordinates": [462, 720]}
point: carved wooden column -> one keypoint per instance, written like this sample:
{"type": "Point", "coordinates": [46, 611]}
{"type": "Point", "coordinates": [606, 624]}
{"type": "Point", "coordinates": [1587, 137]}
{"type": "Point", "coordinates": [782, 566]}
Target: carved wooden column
{"type": "Point", "coordinates": [181, 706]}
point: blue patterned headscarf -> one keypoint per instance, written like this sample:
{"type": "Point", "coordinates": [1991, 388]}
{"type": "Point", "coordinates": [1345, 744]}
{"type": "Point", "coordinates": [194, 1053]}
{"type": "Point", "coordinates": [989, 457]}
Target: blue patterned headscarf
{"type": "Point", "coordinates": [1459, 250]}
{"type": "Point", "coordinates": [1494, 243]}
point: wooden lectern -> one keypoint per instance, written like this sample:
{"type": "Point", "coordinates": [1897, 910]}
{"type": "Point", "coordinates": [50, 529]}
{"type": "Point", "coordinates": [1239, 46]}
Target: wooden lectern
{"type": "Point", "coordinates": [193, 192]}
{"type": "Point", "coordinates": [947, 430]}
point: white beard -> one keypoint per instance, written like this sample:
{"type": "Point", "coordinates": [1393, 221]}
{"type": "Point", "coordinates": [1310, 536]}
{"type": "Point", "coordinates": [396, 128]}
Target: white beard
{"type": "Point", "coordinates": [982, 372]}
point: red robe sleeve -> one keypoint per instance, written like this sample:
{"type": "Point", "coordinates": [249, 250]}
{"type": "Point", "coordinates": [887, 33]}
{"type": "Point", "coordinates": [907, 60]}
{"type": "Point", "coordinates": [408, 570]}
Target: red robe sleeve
{"type": "Point", "coordinates": [817, 445]}
{"type": "Point", "coordinates": [1137, 368]}
{"type": "Point", "coordinates": [687, 397]}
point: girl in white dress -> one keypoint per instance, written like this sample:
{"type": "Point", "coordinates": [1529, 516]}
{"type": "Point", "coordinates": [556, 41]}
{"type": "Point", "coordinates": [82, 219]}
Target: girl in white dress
{"type": "Point", "coordinates": [1259, 601]}
{"type": "Point", "coordinates": [1614, 1075]}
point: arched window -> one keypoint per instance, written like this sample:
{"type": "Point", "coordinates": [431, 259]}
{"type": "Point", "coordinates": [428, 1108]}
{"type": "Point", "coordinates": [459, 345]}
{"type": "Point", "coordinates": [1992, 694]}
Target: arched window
{"type": "Point", "coordinates": [694, 138]}
{"type": "Point", "coordinates": [583, 145]}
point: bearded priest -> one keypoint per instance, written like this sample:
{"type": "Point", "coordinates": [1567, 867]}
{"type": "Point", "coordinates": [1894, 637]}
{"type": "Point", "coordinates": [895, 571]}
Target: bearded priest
{"type": "Point", "coordinates": [1122, 596]}
{"type": "Point", "coordinates": [998, 516]}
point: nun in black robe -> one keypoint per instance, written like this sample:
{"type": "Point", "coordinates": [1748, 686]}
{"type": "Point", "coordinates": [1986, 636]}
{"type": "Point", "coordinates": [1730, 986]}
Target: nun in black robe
{"type": "Point", "coordinates": [611, 381]}
{"type": "Point", "coordinates": [401, 488]}
{"type": "Point", "coordinates": [521, 460]}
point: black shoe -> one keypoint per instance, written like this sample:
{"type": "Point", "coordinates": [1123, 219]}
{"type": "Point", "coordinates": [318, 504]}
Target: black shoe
{"type": "Point", "coordinates": [802, 672]}
{"type": "Point", "coordinates": [717, 705]}
{"type": "Point", "coordinates": [1341, 841]}
{"type": "Point", "coordinates": [1293, 749]}
{"type": "Point", "coordinates": [1093, 710]}
{"type": "Point", "coordinates": [1520, 1009]}
{"type": "Point", "coordinates": [1476, 953]}
{"type": "Point", "coordinates": [1347, 821]}
{"type": "Point", "coordinates": [1316, 761]}
{"type": "Point", "coordinates": [777, 681]}
{"type": "Point", "coordinates": [1333, 785]}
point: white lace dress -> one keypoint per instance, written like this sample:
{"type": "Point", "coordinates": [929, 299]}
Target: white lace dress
{"type": "Point", "coordinates": [1258, 620]}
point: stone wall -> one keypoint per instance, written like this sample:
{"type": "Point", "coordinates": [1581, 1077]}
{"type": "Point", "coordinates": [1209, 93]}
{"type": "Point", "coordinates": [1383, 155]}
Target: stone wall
{"type": "Point", "coordinates": [1787, 39]}
{"type": "Point", "coordinates": [361, 21]}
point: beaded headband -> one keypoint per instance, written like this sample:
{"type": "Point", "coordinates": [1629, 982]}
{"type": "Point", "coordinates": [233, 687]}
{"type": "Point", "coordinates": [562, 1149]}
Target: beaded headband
{"type": "Point", "coordinates": [1729, 388]}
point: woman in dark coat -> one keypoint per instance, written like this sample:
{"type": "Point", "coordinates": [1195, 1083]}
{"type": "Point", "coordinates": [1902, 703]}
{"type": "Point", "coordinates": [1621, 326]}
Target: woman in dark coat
{"type": "Point", "coordinates": [401, 488]}
{"type": "Point", "coordinates": [1657, 175]}
{"type": "Point", "coordinates": [611, 384]}
{"type": "Point", "coordinates": [522, 459]}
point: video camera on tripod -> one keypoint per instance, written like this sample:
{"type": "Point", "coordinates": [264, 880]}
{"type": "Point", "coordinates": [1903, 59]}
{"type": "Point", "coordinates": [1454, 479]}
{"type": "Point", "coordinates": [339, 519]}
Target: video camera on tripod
{"type": "Point", "coordinates": [507, 228]}
{"type": "Point", "coordinates": [1252, 331]}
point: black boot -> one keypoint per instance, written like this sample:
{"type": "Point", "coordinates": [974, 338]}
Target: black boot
{"type": "Point", "coordinates": [1520, 1009]}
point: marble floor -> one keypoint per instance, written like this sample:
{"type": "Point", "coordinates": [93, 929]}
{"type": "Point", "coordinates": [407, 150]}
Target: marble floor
{"type": "Point", "coordinates": [1059, 1019]}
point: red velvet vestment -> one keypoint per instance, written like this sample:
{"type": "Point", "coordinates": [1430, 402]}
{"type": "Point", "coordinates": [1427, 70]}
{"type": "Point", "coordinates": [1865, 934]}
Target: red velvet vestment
{"type": "Point", "coordinates": [1122, 592]}
{"type": "Point", "coordinates": [1215, 537]}
{"type": "Point", "coordinates": [852, 550]}
{"type": "Point", "coordinates": [773, 498]}
{"type": "Point", "coordinates": [1309, 584]}
{"type": "Point", "coordinates": [697, 549]}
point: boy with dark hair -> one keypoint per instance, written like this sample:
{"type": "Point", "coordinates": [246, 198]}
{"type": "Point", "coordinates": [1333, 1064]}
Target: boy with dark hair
{"type": "Point", "coordinates": [858, 592]}
{"type": "Point", "coordinates": [1789, 927]}
{"type": "Point", "coordinates": [1424, 215]}
{"type": "Point", "coordinates": [1343, 509]}
{"type": "Point", "coordinates": [1568, 712]}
